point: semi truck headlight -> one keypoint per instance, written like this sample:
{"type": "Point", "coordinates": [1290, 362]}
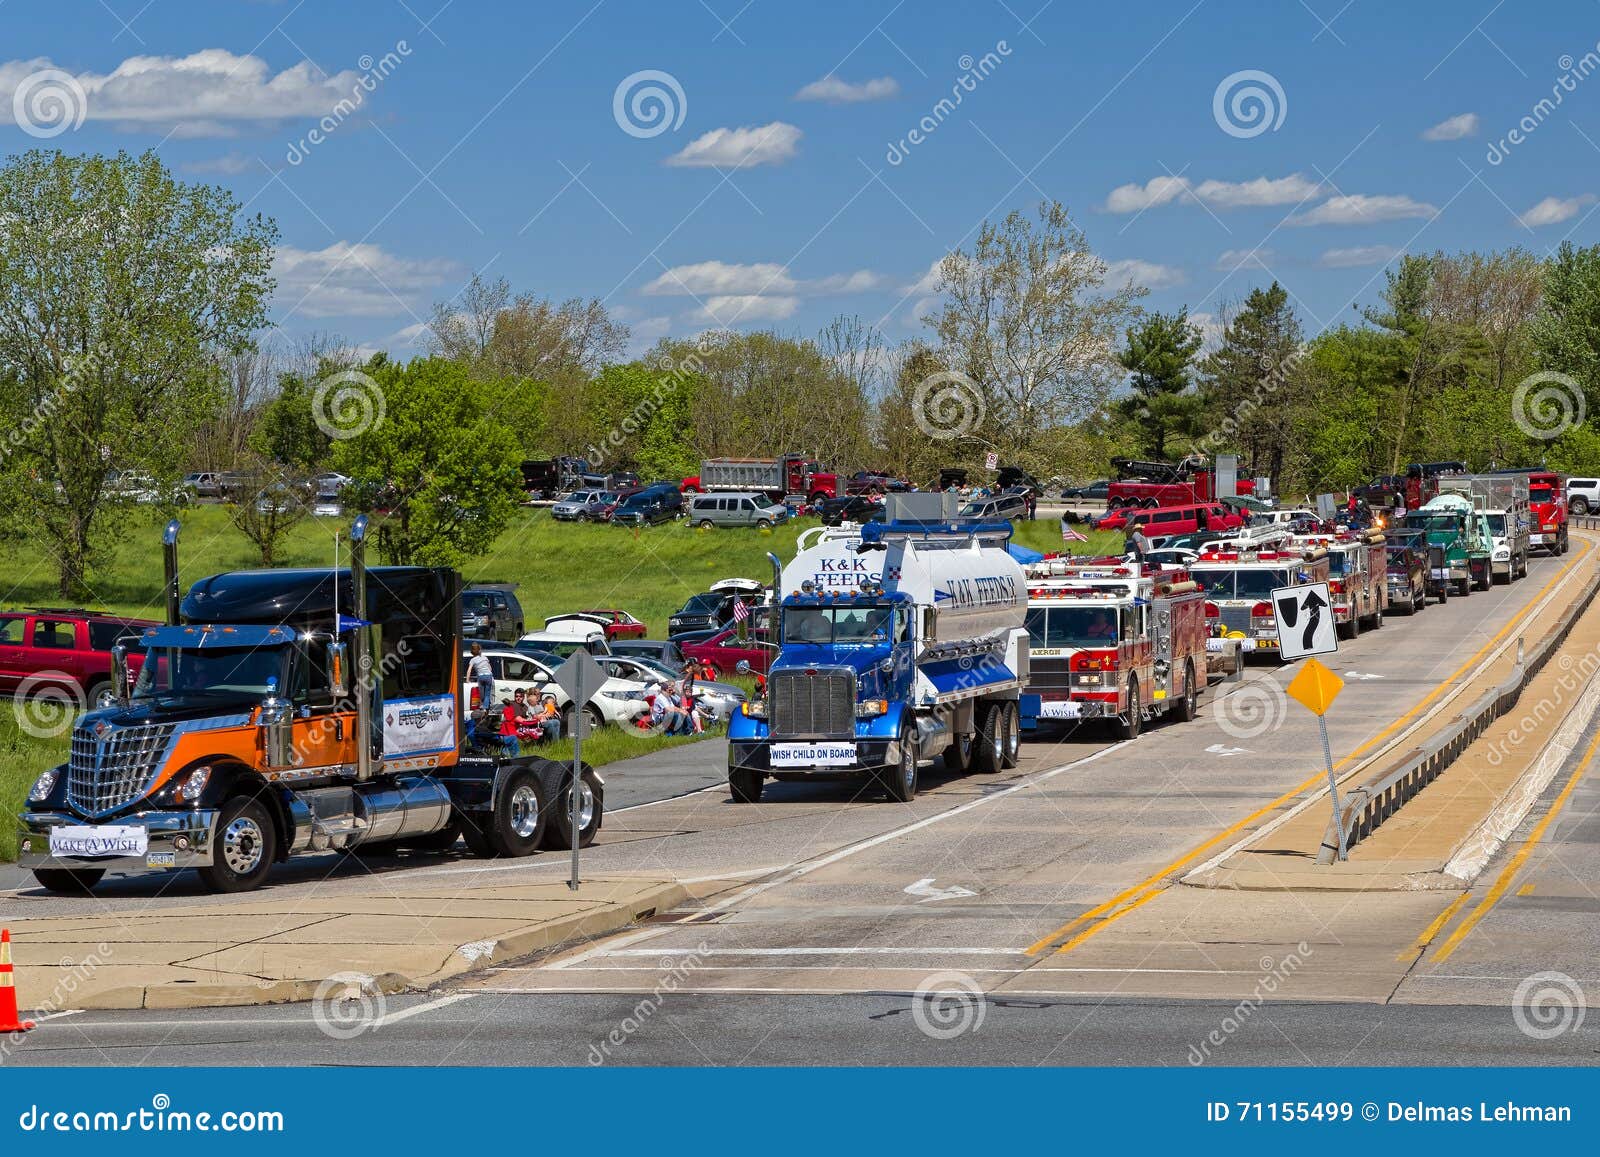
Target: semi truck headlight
{"type": "Point", "coordinates": [754, 708]}
{"type": "Point", "coordinates": [192, 785]}
{"type": "Point", "coordinates": [868, 708]}
{"type": "Point", "coordinates": [44, 785]}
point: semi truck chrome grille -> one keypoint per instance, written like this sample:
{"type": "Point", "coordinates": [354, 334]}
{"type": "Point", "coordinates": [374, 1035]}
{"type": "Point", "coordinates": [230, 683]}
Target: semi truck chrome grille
{"type": "Point", "coordinates": [106, 772]}
{"type": "Point", "coordinates": [821, 706]}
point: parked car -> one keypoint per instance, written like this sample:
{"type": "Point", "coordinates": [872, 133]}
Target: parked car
{"type": "Point", "coordinates": [722, 699]}
{"type": "Point", "coordinates": [875, 482]}
{"type": "Point", "coordinates": [850, 508]}
{"type": "Point", "coordinates": [735, 509]}
{"type": "Point", "coordinates": [998, 507]}
{"type": "Point", "coordinates": [725, 650]}
{"type": "Point", "coordinates": [492, 612]}
{"type": "Point", "coordinates": [1093, 491]}
{"type": "Point", "coordinates": [617, 624]}
{"type": "Point", "coordinates": [617, 701]}
{"type": "Point", "coordinates": [327, 506]}
{"type": "Point", "coordinates": [714, 608]}
{"type": "Point", "coordinates": [661, 502]}
{"type": "Point", "coordinates": [1169, 520]}
{"type": "Point", "coordinates": [1583, 495]}
{"type": "Point", "coordinates": [583, 505]}
{"type": "Point", "coordinates": [64, 650]}
{"type": "Point", "coordinates": [202, 483]}
{"type": "Point", "coordinates": [664, 651]}
{"type": "Point", "coordinates": [563, 636]}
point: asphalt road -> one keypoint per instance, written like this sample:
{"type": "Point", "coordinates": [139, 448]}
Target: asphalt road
{"type": "Point", "coordinates": [818, 901]}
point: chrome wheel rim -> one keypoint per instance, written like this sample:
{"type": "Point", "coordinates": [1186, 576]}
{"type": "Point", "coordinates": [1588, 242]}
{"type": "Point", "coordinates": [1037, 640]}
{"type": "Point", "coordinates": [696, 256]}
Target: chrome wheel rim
{"type": "Point", "coordinates": [585, 805]}
{"type": "Point", "coordinates": [525, 811]}
{"type": "Point", "coordinates": [908, 765]}
{"type": "Point", "coordinates": [1013, 734]}
{"type": "Point", "coordinates": [242, 845]}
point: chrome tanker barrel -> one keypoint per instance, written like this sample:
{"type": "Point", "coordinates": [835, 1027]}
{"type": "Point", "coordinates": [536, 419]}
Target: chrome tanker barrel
{"type": "Point", "coordinates": [363, 682]}
{"type": "Point", "coordinates": [169, 560]}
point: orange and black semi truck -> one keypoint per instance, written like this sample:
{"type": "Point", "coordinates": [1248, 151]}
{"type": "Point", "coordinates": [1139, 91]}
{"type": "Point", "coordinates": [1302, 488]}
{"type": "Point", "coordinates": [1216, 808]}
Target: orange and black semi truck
{"type": "Point", "coordinates": [279, 712]}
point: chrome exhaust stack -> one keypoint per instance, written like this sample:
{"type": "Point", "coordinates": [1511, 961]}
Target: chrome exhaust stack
{"type": "Point", "coordinates": [362, 683]}
{"type": "Point", "coordinates": [169, 560]}
{"type": "Point", "coordinates": [777, 578]}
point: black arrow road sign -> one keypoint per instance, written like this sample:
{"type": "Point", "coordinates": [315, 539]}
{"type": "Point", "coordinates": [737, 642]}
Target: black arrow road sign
{"type": "Point", "coordinates": [1305, 625]}
{"type": "Point", "coordinates": [1314, 605]}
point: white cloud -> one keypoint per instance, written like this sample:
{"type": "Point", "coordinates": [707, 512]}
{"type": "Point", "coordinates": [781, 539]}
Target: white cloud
{"type": "Point", "coordinates": [1232, 260]}
{"type": "Point", "coordinates": [1358, 256]}
{"type": "Point", "coordinates": [741, 148]}
{"type": "Point", "coordinates": [346, 280]}
{"type": "Point", "coordinates": [721, 277]}
{"type": "Point", "coordinates": [727, 310]}
{"type": "Point", "coordinates": [1363, 209]}
{"type": "Point", "coordinates": [861, 281]}
{"type": "Point", "coordinates": [1146, 273]}
{"type": "Point", "coordinates": [1288, 190]}
{"type": "Point", "coordinates": [1133, 198]}
{"type": "Point", "coordinates": [1554, 210]}
{"type": "Point", "coordinates": [835, 91]}
{"type": "Point", "coordinates": [1211, 330]}
{"type": "Point", "coordinates": [207, 93]}
{"type": "Point", "coordinates": [1454, 128]}
{"type": "Point", "coordinates": [925, 285]}
{"type": "Point", "coordinates": [229, 166]}
{"type": "Point", "coordinates": [403, 343]}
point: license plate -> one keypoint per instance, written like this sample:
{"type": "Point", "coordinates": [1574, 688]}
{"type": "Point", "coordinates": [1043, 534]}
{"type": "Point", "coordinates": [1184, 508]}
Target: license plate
{"type": "Point", "coordinates": [812, 755]}
{"type": "Point", "coordinates": [1060, 709]}
{"type": "Point", "coordinates": [1441, 572]}
{"type": "Point", "coordinates": [1270, 644]}
{"type": "Point", "coordinates": [90, 842]}
{"type": "Point", "coordinates": [161, 860]}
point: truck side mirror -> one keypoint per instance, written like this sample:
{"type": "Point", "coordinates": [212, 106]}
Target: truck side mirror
{"type": "Point", "coordinates": [742, 666]}
{"type": "Point", "coordinates": [118, 692]}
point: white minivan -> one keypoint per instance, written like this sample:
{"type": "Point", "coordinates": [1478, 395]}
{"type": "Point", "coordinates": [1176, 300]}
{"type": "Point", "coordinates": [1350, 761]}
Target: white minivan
{"type": "Point", "coordinates": [737, 509]}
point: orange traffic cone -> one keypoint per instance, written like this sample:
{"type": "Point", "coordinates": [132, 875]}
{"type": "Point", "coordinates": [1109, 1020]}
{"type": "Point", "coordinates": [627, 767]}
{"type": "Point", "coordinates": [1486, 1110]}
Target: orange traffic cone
{"type": "Point", "coordinates": [8, 990]}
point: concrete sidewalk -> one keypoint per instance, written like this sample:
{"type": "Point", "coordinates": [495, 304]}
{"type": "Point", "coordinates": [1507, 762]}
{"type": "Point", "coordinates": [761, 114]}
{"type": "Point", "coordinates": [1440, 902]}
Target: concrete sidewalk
{"type": "Point", "coordinates": [261, 951]}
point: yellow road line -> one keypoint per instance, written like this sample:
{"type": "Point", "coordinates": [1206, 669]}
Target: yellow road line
{"type": "Point", "coordinates": [1498, 890]}
{"type": "Point", "coordinates": [1420, 944]}
{"type": "Point", "coordinates": [1157, 879]}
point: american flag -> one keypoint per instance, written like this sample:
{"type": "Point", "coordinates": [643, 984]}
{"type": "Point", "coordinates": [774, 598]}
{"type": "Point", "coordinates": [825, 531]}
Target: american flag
{"type": "Point", "coordinates": [741, 611]}
{"type": "Point", "coordinates": [1069, 534]}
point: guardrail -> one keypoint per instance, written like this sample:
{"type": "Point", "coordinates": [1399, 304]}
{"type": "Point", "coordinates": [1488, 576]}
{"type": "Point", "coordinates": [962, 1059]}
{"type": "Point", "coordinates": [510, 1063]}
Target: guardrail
{"type": "Point", "coordinates": [1368, 805]}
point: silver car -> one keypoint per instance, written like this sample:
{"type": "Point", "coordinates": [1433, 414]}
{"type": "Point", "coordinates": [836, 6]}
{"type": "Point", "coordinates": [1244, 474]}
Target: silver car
{"type": "Point", "coordinates": [582, 505]}
{"type": "Point", "coordinates": [708, 510]}
{"type": "Point", "coordinates": [722, 699]}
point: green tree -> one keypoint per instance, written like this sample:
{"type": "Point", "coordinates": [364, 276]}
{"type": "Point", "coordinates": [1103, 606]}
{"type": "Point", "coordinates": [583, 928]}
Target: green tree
{"type": "Point", "coordinates": [1252, 385]}
{"type": "Point", "coordinates": [424, 450]}
{"type": "Point", "coordinates": [120, 290]}
{"type": "Point", "coordinates": [1159, 357]}
{"type": "Point", "coordinates": [643, 411]}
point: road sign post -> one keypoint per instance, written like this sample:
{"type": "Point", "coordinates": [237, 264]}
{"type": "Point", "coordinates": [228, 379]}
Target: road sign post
{"type": "Point", "coordinates": [1315, 688]}
{"type": "Point", "coordinates": [580, 677]}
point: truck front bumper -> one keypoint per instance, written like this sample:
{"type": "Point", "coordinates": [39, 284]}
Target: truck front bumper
{"type": "Point", "coordinates": [756, 755]}
{"type": "Point", "coordinates": [177, 839]}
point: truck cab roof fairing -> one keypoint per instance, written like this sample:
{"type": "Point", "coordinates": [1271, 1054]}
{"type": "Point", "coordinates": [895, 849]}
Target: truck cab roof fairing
{"type": "Point", "coordinates": [394, 593]}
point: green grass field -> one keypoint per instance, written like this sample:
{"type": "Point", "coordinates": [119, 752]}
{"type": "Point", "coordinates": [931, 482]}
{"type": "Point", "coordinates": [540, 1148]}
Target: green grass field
{"type": "Point", "coordinates": [557, 566]}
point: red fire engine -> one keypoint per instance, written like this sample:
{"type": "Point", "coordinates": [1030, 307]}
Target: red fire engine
{"type": "Point", "coordinates": [1110, 639]}
{"type": "Point", "coordinates": [1238, 579]}
{"type": "Point", "coordinates": [1156, 484]}
{"type": "Point", "coordinates": [1358, 577]}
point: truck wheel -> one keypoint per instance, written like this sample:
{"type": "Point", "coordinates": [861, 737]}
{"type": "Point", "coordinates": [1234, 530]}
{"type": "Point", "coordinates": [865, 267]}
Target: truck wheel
{"type": "Point", "coordinates": [1012, 753]}
{"type": "Point", "coordinates": [68, 881]}
{"type": "Point", "coordinates": [558, 834]}
{"type": "Point", "coordinates": [745, 785]}
{"type": "Point", "coordinates": [1377, 619]}
{"type": "Point", "coordinates": [991, 741]}
{"type": "Point", "coordinates": [1579, 506]}
{"type": "Point", "coordinates": [900, 781]}
{"type": "Point", "coordinates": [1444, 593]}
{"type": "Point", "coordinates": [763, 524]}
{"type": "Point", "coordinates": [1463, 588]}
{"type": "Point", "coordinates": [706, 524]}
{"type": "Point", "coordinates": [1129, 725]}
{"type": "Point", "coordinates": [958, 756]}
{"type": "Point", "coordinates": [1352, 629]}
{"type": "Point", "coordinates": [245, 845]}
{"type": "Point", "coordinates": [1187, 707]}
{"type": "Point", "coordinates": [516, 824]}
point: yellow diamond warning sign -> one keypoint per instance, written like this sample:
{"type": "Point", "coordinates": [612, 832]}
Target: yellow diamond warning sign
{"type": "Point", "coordinates": [1315, 687]}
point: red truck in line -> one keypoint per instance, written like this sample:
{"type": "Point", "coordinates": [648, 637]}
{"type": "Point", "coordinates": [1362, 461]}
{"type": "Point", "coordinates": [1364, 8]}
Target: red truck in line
{"type": "Point", "coordinates": [1153, 484]}
{"type": "Point", "coordinates": [775, 477]}
{"type": "Point", "coordinates": [1547, 508]}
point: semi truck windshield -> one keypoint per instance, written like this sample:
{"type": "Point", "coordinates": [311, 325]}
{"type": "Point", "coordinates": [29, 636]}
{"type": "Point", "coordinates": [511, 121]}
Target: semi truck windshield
{"type": "Point", "coordinates": [824, 625]}
{"type": "Point", "coordinates": [1240, 584]}
{"type": "Point", "coordinates": [234, 672]}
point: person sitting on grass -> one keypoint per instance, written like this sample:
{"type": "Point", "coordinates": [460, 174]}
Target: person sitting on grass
{"type": "Point", "coordinates": [666, 713]}
{"type": "Point", "coordinates": [509, 736]}
{"type": "Point", "coordinates": [549, 719]}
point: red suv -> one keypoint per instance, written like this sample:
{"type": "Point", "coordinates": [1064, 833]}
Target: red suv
{"type": "Point", "coordinates": [47, 648]}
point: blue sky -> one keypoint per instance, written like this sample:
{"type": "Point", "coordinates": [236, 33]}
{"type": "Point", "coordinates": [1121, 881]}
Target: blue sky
{"type": "Point", "coordinates": [487, 140]}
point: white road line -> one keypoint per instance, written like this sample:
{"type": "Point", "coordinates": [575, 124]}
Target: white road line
{"type": "Point", "coordinates": [806, 867]}
{"type": "Point", "coordinates": [41, 1017]}
{"type": "Point", "coordinates": [419, 1009]}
